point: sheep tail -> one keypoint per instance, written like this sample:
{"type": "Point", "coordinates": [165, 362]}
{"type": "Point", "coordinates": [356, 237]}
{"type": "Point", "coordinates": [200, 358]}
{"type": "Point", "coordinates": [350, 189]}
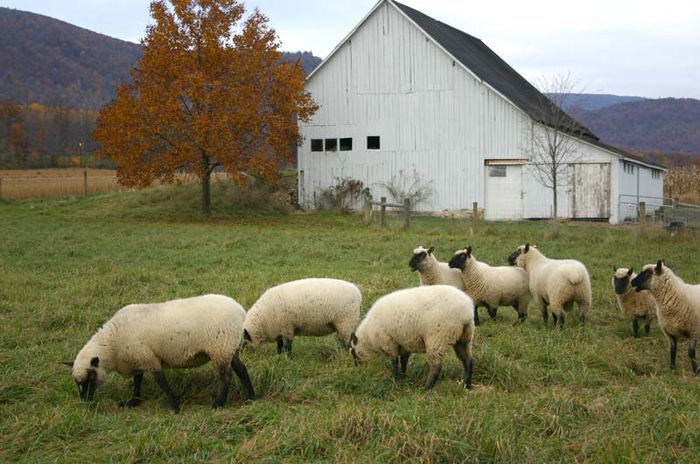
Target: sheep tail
{"type": "Point", "coordinates": [574, 276]}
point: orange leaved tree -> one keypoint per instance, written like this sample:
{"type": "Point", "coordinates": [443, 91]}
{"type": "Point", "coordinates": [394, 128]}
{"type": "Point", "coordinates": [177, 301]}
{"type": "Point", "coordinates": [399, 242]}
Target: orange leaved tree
{"type": "Point", "coordinates": [210, 90]}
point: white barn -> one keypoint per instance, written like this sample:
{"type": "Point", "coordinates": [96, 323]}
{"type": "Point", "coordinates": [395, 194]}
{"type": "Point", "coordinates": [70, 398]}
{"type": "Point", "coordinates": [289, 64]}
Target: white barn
{"type": "Point", "coordinates": [404, 92]}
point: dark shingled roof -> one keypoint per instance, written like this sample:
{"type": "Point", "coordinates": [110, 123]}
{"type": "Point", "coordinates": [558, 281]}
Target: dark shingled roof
{"type": "Point", "coordinates": [489, 67]}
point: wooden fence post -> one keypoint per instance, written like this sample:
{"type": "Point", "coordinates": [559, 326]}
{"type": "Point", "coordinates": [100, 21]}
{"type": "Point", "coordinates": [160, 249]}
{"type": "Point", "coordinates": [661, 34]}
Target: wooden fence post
{"type": "Point", "coordinates": [642, 214]}
{"type": "Point", "coordinates": [382, 213]}
{"type": "Point", "coordinates": [85, 183]}
{"type": "Point", "coordinates": [406, 213]}
{"type": "Point", "coordinates": [0, 188]}
{"type": "Point", "coordinates": [367, 210]}
{"type": "Point", "coordinates": [475, 210]}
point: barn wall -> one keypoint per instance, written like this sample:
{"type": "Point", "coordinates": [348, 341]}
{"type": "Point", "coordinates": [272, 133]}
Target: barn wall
{"type": "Point", "coordinates": [636, 186]}
{"type": "Point", "coordinates": [432, 116]}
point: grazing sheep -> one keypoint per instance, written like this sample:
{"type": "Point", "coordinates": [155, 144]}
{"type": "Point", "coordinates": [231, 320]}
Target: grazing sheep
{"type": "Point", "coordinates": [635, 305]}
{"type": "Point", "coordinates": [315, 307]}
{"type": "Point", "coordinates": [678, 307]}
{"type": "Point", "coordinates": [428, 319]}
{"type": "Point", "coordinates": [490, 286]}
{"type": "Point", "coordinates": [558, 283]}
{"type": "Point", "coordinates": [143, 338]}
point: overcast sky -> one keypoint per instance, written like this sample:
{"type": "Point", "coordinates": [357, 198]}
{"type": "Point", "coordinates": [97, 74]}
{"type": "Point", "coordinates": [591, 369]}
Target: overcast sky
{"type": "Point", "coordinates": [623, 47]}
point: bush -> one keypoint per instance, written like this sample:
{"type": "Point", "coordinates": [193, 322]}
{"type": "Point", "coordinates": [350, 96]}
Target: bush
{"type": "Point", "coordinates": [343, 195]}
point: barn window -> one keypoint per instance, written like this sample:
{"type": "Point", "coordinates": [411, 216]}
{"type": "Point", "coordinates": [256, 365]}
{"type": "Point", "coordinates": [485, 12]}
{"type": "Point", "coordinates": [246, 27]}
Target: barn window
{"type": "Point", "coordinates": [655, 174]}
{"type": "Point", "coordinates": [373, 142]}
{"type": "Point", "coordinates": [316, 144]}
{"type": "Point", "coordinates": [331, 144]}
{"type": "Point", "coordinates": [628, 167]}
{"type": "Point", "coordinates": [497, 171]}
{"type": "Point", "coordinates": [346, 144]}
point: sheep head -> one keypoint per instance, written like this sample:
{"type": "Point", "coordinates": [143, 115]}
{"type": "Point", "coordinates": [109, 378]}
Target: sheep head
{"type": "Point", "coordinates": [420, 254]}
{"type": "Point", "coordinates": [461, 258]}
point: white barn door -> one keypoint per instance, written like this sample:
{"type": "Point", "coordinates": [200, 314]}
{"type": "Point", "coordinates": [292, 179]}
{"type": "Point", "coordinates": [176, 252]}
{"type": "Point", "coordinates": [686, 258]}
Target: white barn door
{"type": "Point", "coordinates": [590, 191]}
{"type": "Point", "coordinates": [504, 192]}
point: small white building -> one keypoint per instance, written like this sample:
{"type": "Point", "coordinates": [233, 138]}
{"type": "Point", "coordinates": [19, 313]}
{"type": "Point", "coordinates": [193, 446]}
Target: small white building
{"type": "Point", "coordinates": [404, 92]}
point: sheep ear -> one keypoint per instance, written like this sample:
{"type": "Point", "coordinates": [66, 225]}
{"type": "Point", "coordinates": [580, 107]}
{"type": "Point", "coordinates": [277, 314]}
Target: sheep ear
{"type": "Point", "coordinates": [430, 250]}
{"type": "Point", "coordinates": [67, 363]}
{"type": "Point", "coordinates": [95, 362]}
{"type": "Point", "coordinates": [659, 266]}
{"type": "Point", "coordinates": [246, 335]}
{"type": "Point", "coordinates": [353, 338]}
{"type": "Point", "coordinates": [629, 273]}
{"type": "Point", "coordinates": [527, 247]}
{"type": "Point", "coordinates": [469, 250]}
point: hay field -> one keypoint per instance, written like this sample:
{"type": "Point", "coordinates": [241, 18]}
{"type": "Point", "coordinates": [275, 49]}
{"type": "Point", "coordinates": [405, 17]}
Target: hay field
{"type": "Point", "coordinates": [55, 183]}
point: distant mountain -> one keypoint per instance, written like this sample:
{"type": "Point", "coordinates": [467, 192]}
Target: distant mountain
{"type": "Point", "coordinates": [592, 101]}
{"type": "Point", "coordinates": [48, 61]}
{"type": "Point", "coordinates": [669, 125]}
{"type": "Point", "coordinates": [44, 60]}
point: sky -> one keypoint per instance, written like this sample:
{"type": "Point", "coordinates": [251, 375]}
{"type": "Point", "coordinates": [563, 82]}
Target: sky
{"type": "Point", "coordinates": [624, 47]}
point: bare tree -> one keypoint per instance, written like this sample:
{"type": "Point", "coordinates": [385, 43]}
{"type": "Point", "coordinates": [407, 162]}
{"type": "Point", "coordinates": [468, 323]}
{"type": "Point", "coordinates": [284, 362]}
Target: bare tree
{"type": "Point", "coordinates": [404, 187]}
{"type": "Point", "coordinates": [550, 140]}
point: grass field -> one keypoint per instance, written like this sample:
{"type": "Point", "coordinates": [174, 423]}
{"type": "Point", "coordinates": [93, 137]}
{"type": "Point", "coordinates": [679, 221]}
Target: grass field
{"type": "Point", "coordinates": [582, 394]}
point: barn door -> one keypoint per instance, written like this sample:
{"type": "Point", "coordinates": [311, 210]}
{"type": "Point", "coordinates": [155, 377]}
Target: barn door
{"type": "Point", "coordinates": [504, 192]}
{"type": "Point", "coordinates": [590, 191]}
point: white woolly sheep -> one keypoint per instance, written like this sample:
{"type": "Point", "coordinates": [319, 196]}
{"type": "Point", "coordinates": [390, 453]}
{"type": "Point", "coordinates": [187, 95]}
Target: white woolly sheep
{"type": "Point", "coordinates": [315, 307]}
{"type": "Point", "coordinates": [428, 319]}
{"type": "Point", "coordinates": [143, 338]}
{"type": "Point", "coordinates": [558, 283]}
{"type": "Point", "coordinates": [634, 305]}
{"type": "Point", "coordinates": [678, 307]}
{"type": "Point", "coordinates": [433, 272]}
{"type": "Point", "coordinates": [493, 286]}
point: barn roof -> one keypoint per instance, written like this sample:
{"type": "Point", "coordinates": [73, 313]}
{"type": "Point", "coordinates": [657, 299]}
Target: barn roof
{"type": "Point", "coordinates": [489, 67]}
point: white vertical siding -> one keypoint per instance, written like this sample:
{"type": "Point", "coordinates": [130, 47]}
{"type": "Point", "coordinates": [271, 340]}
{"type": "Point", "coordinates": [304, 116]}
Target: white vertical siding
{"type": "Point", "coordinates": [390, 80]}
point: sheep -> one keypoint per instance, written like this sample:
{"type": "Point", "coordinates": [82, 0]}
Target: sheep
{"type": "Point", "coordinates": [678, 307]}
{"type": "Point", "coordinates": [427, 319]}
{"type": "Point", "coordinates": [184, 333]}
{"type": "Point", "coordinates": [315, 307]}
{"type": "Point", "coordinates": [433, 272]}
{"type": "Point", "coordinates": [635, 305]}
{"type": "Point", "coordinates": [558, 283]}
{"type": "Point", "coordinates": [490, 286]}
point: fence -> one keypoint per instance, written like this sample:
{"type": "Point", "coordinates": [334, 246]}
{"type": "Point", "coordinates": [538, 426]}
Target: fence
{"type": "Point", "coordinates": [404, 209]}
{"type": "Point", "coordinates": [632, 208]}
{"type": "Point", "coordinates": [55, 183]}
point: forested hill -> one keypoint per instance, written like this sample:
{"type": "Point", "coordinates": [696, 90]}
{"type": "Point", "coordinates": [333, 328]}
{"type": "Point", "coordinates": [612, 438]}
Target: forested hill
{"type": "Point", "coordinates": [47, 61]}
{"type": "Point", "coordinates": [668, 125]}
{"type": "Point", "coordinates": [44, 60]}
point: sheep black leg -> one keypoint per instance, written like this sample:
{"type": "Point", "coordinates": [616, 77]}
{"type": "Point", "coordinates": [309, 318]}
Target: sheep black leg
{"type": "Point", "coordinates": [467, 362]}
{"type": "Point", "coordinates": [395, 368]}
{"type": "Point", "coordinates": [492, 311]}
{"type": "Point", "coordinates": [476, 315]}
{"type": "Point", "coordinates": [635, 327]}
{"type": "Point", "coordinates": [136, 398]}
{"type": "Point", "coordinates": [242, 373]}
{"type": "Point", "coordinates": [288, 347]}
{"type": "Point", "coordinates": [647, 326]}
{"type": "Point", "coordinates": [404, 363]}
{"type": "Point", "coordinates": [561, 319]}
{"type": "Point", "coordinates": [554, 318]}
{"type": "Point", "coordinates": [521, 316]}
{"type": "Point", "coordinates": [433, 376]}
{"type": "Point", "coordinates": [691, 353]}
{"type": "Point", "coordinates": [160, 379]}
{"type": "Point", "coordinates": [224, 385]}
{"type": "Point", "coordinates": [280, 344]}
{"type": "Point", "coordinates": [673, 342]}
{"type": "Point", "coordinates": [545, 315]}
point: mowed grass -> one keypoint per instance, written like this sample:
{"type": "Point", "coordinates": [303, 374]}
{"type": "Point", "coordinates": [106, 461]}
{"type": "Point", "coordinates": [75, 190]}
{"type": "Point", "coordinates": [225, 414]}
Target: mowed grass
{"type": "Point", "coordinates": [588, 393]}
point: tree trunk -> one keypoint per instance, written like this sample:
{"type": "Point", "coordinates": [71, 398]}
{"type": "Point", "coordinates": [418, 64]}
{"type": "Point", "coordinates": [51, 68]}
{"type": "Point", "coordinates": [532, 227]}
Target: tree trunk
{"type": "Point", "coordinates": [555, 212]}
{"type": "Point", "coordinates": [206, 193]}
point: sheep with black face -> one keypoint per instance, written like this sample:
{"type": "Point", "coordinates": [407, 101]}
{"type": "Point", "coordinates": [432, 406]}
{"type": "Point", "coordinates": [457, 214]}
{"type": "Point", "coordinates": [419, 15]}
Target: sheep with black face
{"type": "Point", "coordinates": [555, 283]}
{"type": "Point", "coordinates": [142, 338]}
{"type": "Point", "coordinates": [493, 286]}
{"type": "Point", "coordinates": [678, 307]}
{"type": "Point", "coordinates": [638, 306]}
